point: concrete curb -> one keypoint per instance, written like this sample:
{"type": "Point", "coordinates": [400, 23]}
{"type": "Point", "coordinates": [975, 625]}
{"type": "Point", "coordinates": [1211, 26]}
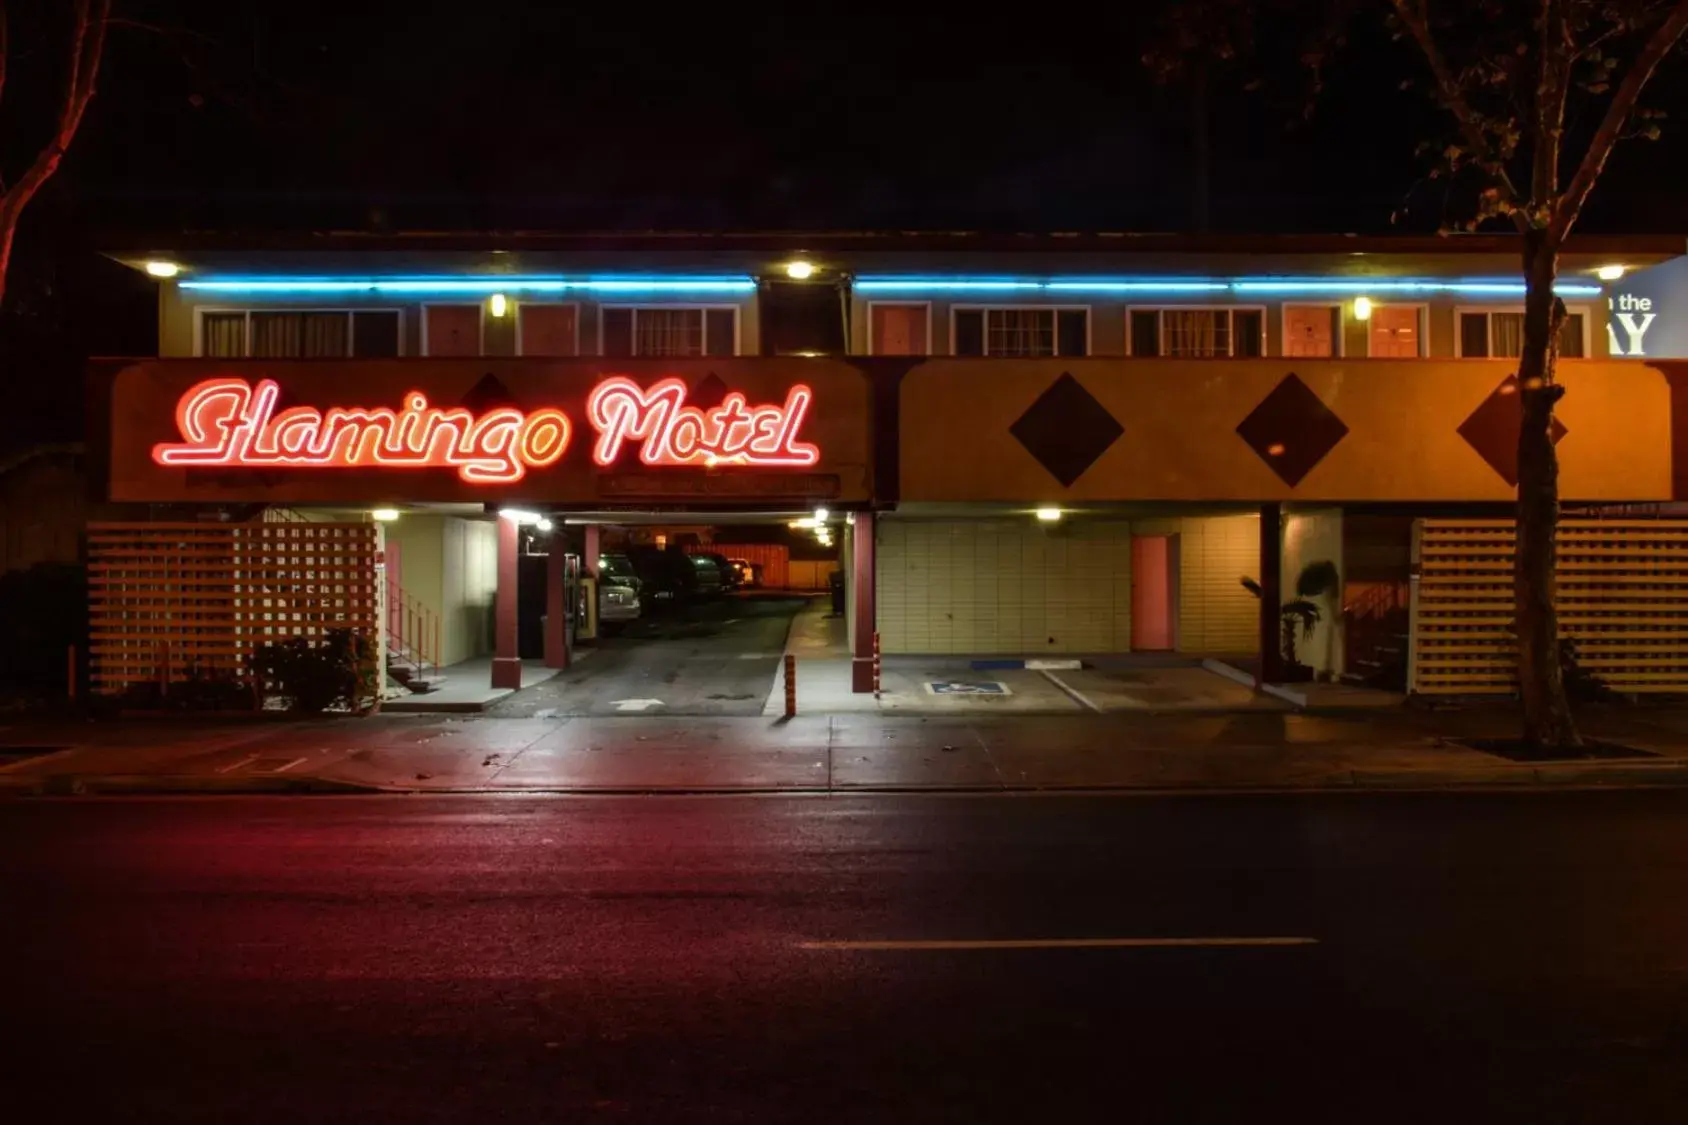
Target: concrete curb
{"type": "Point", "coordinates": [1572, 775]}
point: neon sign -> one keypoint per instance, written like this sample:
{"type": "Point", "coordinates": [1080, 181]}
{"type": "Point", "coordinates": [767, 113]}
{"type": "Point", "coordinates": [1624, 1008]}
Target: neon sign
{"type": "Point", "coordinates": [232, 423]}
{"type": "Point", "coordinates": [228, 422]}
{"type": "Point", "coordinates": [673, 433]}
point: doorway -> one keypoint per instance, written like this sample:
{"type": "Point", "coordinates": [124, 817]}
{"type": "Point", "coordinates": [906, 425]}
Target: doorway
{"type": "Point", "coordinates": [1154, 585]}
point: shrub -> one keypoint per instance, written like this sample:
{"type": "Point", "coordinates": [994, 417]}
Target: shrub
{"type": "Point", "coordinates": [337, 672]}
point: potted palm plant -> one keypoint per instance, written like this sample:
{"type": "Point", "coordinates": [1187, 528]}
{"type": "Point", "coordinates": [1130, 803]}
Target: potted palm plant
{"type": "Point", "coordinates": [1299, 616]}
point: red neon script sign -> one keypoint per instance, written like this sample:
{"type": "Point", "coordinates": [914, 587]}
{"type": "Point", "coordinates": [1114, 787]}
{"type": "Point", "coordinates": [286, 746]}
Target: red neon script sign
{"type": "Point", "coordinates": [673, 433]}
{"type": "Point", "coordinates": [229, 422]}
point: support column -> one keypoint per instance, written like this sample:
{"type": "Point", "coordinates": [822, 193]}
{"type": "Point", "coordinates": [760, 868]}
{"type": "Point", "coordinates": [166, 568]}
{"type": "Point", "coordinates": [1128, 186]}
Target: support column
{"type": "Point", "coordinates": [506, 659]}
{"type": "Point", "coordinates": [590, 550]}
{"type": "Point", "coordinates": [1270, 669]}
{"type": "Point", "coordinates": [556, 606]}
{"type": "Point", "coordinates": [866, 621]}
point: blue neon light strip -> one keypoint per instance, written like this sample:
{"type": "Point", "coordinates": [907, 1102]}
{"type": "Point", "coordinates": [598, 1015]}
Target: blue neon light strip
{"type": "Point", "coordinates": [485, 285]}
{"type": "Point", "coordinates": [1280, 286]}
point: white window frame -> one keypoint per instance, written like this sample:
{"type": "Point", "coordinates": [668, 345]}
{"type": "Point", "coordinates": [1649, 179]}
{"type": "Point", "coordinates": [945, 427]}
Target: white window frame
{"type": "Point", "coordinates": [1160, 312]}
{"type": "Point", "coordinates": [873, 343]}
{"type": "Point", "coordinates": [575, 305]}
{"type": "Point", "coordinates": [736, 310]}
{"type": "Point", "coordinates": [1341, 326]}
{"type": "Point", "coordinates": [1423, 310]}
{"type": "Point", "coordinates": [479, 306]}
{"type": "Point", "coordinates": [246, 312]}
{"type": "Point", "coordinates": [1489, 330]}
{"type": "Point", "coordinates": [1089, 327]}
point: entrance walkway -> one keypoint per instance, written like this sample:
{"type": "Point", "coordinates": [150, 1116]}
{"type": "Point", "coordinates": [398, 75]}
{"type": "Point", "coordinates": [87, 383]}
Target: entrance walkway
{"type": "Point", "coordinates": [467, 687]}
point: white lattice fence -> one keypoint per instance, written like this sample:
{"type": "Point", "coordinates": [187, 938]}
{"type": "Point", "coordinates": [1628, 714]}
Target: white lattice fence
{"type": "Point", "coordinates": [1622, 597]}
{"type": "Point", "coordinates": [168, 598]}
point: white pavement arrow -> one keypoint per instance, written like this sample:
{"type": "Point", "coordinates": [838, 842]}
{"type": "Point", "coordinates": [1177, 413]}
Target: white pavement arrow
{"type": "Point", "coordinates": [636, 704]}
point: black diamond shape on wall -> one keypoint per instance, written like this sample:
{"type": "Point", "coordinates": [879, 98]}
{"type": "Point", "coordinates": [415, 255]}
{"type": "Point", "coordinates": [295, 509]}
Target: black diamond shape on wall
{"type": "Point", "coordinates": [709, 392]}
{"type": "Point", "coordinates": [1492, 429]}
{"type": "Point", "coordinates": [1066, 429]}
{"type": "Point", "coordinates": [489, 393]}
{"type": "Point", "coordinates": [1292, 430]}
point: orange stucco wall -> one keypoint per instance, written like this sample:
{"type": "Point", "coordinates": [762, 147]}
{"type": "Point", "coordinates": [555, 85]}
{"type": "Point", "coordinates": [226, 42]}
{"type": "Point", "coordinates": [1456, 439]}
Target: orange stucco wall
{"type": "Point", "coordinates": [1180, 439]}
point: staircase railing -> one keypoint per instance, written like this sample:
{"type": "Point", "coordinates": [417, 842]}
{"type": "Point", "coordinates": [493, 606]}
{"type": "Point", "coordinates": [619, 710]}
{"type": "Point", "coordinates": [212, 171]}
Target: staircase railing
{"type": "Point", "coordinates": [413, 631]}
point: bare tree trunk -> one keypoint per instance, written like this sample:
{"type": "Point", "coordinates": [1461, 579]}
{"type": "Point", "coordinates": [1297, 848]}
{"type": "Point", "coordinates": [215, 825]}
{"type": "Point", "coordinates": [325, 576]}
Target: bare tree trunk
{"type": "Point", "coordinates": [1547, 711]}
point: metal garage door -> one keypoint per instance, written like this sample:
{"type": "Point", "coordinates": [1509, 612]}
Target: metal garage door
{"type": "Point", "coordinates": [1009, 586]}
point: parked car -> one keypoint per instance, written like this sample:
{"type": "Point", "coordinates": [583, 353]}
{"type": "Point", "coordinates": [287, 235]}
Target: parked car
{"type": "Point", "coordinates": [660, 584]}
{"type": "Point", "coordinates": [617, 605]}
{"type": "Point", "coordinates": [730, 578]}
{"type": "Point", "coordinates": [617, 570]}
{"type": "Point", "coordinates": [750, 574]}
{"type": "Point", "coordinates": [708, 581]}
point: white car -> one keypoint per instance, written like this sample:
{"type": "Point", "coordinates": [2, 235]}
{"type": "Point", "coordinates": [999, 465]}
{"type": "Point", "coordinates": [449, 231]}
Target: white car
{"type": "Point", "coordinates": [617, 604]}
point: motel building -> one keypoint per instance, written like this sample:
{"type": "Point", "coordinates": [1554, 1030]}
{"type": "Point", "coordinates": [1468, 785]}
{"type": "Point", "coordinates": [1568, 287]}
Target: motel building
{"type": "Point", "coordinates": [1024, 447]}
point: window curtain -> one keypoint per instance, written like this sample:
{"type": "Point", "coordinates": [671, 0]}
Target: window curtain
{"type": "Point", "coordinates": [1506, 334]}
{"type": "Point", "coordinates": [671, 332]}
{"type": "Point", "coordinates": [300, 335]}
{"type": "Point", "coordinates": [1021, 332]}
{"type": "Point", "coordinates": [222, 334]}
{"type": "Point", "coordinates": [1197, 333]}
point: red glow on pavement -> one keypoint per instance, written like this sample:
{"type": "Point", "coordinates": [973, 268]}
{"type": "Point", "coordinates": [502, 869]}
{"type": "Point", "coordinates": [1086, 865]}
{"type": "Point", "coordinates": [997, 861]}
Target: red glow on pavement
{"type": "Point", "coordinates": [673, 433]}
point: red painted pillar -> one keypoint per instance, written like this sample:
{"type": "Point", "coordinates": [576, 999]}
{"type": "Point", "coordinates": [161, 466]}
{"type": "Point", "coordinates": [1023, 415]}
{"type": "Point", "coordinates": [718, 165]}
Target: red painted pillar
{"type": "Point", "coordinates": [590, 551]}
{"type": "Point", "coordinates": [506, 660]}
{"type": "Point", "coordinates": [556, 606]}
{"type": "Point", "coordinates": [866, 622]}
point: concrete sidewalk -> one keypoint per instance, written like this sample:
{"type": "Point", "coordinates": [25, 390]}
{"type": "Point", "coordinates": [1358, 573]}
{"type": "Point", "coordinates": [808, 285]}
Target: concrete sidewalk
{"type": "Point", "coordinates": [840, 753]}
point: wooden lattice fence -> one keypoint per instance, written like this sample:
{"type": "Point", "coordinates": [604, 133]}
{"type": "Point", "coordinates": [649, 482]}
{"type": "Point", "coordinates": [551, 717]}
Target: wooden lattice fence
{"type": "Point", "coordinates": [1622, 599]}
{"type": "Point", "coordinates": [167, 600]}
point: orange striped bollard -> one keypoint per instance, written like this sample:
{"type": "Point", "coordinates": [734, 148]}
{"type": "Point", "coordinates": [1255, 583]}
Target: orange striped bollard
{"type": "Point", "coordinates": [790, 686]}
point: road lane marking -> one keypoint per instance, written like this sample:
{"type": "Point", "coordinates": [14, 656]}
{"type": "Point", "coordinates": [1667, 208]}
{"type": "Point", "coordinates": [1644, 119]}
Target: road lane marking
{"type": "Point", "coordinates": [1063, 943]}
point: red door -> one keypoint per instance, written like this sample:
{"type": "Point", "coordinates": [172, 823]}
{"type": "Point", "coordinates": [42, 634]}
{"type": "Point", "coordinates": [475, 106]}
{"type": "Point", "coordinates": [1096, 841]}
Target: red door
{"type": "Point", "coordinates": [1151, 593]}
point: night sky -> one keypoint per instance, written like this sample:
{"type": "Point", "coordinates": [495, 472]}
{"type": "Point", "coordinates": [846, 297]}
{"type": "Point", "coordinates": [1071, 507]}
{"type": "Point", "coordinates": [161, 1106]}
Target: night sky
{"type": "Point", "coordinates": [371, 114]}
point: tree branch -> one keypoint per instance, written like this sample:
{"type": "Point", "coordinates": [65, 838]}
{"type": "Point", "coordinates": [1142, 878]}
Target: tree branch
{"type": "Point", "coordinates": [87, 46]}
{"type": "Point", "coordinates": [1611, 126]}
{"type": "Point", "coordinates": [1454, 100]}
{"type": "Point", "coordinates": [1553, 81]}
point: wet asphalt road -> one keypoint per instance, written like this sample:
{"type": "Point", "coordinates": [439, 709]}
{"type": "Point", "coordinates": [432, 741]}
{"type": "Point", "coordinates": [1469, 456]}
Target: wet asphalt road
{"type": "Point", "coordinates": [1478, 957]}
{"type": "Point", "coordinates": [717, 657]}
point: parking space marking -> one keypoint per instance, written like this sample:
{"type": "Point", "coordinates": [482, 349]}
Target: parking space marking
{"type": "Point", "coordinates": [1072, 692]}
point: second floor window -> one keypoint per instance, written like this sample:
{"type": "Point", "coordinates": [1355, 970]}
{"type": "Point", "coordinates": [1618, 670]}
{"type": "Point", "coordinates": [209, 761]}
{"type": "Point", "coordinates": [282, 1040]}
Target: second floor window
{"type": "Point", "coordinates": [298, 333]}
{"type": "Point", "coordinates": [1500, 334]}
{"type": "Point", "coordinates": [1198, 333]}
{"type": "Point", "coordinates": [1021, 333]}
{"type": "Point", "coordinates": [662, 331]}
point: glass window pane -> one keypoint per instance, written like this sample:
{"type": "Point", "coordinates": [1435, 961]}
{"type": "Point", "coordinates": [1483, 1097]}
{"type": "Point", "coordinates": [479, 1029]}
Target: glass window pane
{"type": "Point", "coordinates": [222, 334]}
{"type": "Point", "coordinates": [1020, 332]}
{"type": "Point", "coordinates": [1197, 333]}
{"type": "Point", "coordinates": [1145, 332]}
{"type": "Point", "coordinates": [1248, 332]}
{"type": "Point", "coordinates": [300, 335]}
{"type": "Point", "coordinates": [1571, 337]}
{"type": "Point", "coordinates": [668, 332]}
{"type": "Point", "coordinates": [375, 334]}
{"type": "Point", "coordinates": [618, 332]}
{"type": "Point", "coordinates": [1506, 334]}
{"type": "Point", "coordinates": [719, 332]}
{"type": "Point", "coordinates": [969, 332]}
{"type": "Point", "coordinates": [1474, 334]}
{"type": "Point", "coordinates": [1072, 328]}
